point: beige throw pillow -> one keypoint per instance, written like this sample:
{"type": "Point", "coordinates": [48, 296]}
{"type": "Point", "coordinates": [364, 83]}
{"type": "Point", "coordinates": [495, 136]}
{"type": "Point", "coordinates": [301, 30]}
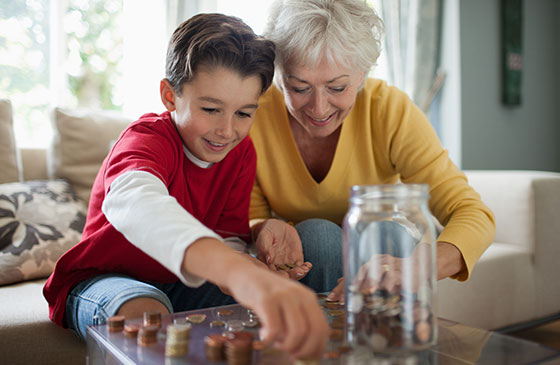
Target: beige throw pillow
{"type": "Point", "coordinates": [82, 140]}
{"type": "Point", "coordinates": [9, 171]}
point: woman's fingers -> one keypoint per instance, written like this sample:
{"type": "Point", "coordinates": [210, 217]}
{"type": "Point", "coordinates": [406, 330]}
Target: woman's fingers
{"type": "Point", "coordinates": [337, 294]}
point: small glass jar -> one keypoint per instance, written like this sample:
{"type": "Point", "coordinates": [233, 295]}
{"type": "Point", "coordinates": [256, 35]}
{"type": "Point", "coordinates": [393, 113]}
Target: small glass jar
{"type": "Point", "coordinates": [390, 268]}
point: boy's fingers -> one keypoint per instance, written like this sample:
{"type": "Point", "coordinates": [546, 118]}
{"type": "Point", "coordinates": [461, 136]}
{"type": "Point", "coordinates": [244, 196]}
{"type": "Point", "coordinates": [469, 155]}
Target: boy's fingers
{"type": "Point", "coordinates": [272, 324]}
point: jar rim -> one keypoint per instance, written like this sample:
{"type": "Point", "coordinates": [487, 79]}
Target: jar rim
{"type": "Point", "coordinates": [388, 191]}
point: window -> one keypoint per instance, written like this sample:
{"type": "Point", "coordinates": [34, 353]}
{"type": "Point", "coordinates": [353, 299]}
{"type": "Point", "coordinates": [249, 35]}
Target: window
{"type": "Point", "coordinates": [63, 53]}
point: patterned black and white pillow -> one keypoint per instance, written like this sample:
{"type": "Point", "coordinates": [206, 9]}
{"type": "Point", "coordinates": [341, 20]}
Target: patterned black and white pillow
{"type": "Point", "coordinates": [39, 221]}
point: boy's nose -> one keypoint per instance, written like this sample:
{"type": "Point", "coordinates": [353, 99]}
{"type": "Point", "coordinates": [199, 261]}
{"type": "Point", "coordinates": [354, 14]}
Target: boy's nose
{"type": "Point", "coordinates": [225, 128]}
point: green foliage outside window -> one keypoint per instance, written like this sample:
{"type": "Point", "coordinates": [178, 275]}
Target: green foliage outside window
{"type": "Point", "coordinates": [91, 66]}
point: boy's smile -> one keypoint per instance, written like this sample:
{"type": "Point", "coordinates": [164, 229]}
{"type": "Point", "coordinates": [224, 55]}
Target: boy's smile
{"type": "Point", "coordinates": [214, 111]}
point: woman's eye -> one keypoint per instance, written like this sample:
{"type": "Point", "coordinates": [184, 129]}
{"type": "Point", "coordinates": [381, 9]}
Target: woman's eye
{"type": "Point", "coordinates": [243, 115]}
{"type": "Point", "coordinates": [210, 110]}
{"type": "Point", "coordinates": [338, 89]}
{"type": "Point", "coordinates": [300, 91]}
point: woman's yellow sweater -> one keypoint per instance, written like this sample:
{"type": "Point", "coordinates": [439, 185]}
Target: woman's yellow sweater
{"type": "Point", "coordinates": [384, 139]}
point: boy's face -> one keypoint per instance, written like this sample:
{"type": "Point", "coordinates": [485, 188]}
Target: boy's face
{"type": "Point", "coordinates": [214, 112]}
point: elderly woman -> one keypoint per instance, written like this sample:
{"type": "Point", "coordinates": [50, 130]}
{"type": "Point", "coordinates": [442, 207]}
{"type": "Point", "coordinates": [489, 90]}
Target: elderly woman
{"type": "Point", "coordinates": [326, 126]}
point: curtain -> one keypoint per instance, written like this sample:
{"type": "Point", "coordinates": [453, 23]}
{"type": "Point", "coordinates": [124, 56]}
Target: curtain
{"type": "Point", "coordinates": [412, 47]}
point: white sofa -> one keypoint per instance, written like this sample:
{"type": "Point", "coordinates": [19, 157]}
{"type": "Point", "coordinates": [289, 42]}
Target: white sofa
{"type": "Point", "coordinates": [514, 283]}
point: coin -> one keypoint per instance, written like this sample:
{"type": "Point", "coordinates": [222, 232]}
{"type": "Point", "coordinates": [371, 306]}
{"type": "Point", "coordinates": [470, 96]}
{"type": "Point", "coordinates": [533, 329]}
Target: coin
{"type": "Point", "coordinates": [152, 318]}
{"type": "Point", "coordinates": [335, 334]}
{"type": "Point", "coordinates": [285, 267]}
{"type": "Point", "coordinates": [225, 312]}
{"type": "Point", "coordinates": [335, 312]}
{"type": "Point", "coordinates": [259, 345]}
{"type": "Point", "coordinates": [251, 323]}
{"type": "Point", "coordinates": [343, 349]}
{"type": "Point", "coordinates": [147, 335]}
{"type": "Point", "coordinates": [196, 318]}
{"type": "Point", "coordinates": [131, 330]}
{"type": "Point", "coordinates": [215, 347]}
{"type": "Point", "coordinates": [217, 324]}
{"type": "Point", "coordinates": [332, 305]}
{"type": "Point", "coordinates": [116, 323]}
{"type": "Point", "coordinates": [331, 355]}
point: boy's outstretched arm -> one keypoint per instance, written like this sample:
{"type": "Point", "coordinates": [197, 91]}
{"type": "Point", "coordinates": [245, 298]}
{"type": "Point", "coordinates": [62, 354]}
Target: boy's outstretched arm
{"type": "Point", "coordinates": [289, 312]}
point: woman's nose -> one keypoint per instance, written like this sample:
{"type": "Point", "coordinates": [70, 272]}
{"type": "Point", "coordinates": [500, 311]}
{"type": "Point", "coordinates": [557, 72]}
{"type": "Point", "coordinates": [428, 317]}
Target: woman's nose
{"type": "Point", "coordinates": [320, 104]}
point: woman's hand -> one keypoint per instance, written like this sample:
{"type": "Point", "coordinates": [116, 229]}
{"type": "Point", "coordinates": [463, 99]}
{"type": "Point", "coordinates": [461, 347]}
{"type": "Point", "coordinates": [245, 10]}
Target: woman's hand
{"type": "Point", "coordinates": [279, 247]}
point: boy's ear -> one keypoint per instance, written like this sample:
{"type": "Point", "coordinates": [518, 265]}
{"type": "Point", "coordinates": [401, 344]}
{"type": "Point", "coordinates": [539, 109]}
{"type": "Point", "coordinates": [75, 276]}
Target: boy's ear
{"type": "Point", "coordinates": [167, 94]}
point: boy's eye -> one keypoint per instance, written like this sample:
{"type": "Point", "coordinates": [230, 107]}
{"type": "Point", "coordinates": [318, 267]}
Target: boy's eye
{"type": "Point", "coordinates": [210, 110]}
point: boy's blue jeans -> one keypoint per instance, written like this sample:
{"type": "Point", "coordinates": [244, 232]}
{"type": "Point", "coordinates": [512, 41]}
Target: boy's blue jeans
{"type": "Point", "coordinates": [96, 299]}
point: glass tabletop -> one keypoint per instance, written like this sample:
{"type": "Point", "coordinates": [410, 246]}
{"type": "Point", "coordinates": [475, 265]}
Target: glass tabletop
{"type": "Point", "coordinates": [457, 344]}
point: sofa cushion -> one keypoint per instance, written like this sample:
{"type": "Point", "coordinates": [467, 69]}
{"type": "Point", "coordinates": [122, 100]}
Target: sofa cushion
{"type": "Point", "coordinates": [82, 140]}
{"type": "Point", "coordinates": [39, 221]}
{"type": "Point", "coordinates": [28, 335]}
{"type": "Point", "coordinates": [9, 171]}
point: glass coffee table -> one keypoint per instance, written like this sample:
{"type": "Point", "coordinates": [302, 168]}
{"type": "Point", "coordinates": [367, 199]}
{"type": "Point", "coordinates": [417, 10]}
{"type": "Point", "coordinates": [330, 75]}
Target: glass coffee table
{"type": "Point", "coordinates": [457, 344]}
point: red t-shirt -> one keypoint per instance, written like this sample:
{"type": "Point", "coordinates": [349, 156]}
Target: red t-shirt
{"type": "Point", "coordinates": [217, 196]}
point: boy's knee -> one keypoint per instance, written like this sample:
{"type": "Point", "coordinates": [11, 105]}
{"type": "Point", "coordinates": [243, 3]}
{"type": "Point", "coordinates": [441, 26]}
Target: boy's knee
{"type": "Point", "coordinates": [136, 307]}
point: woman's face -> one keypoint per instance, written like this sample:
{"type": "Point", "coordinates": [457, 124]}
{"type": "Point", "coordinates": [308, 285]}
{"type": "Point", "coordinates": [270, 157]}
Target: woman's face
{"type": "Point", "coordinates": [320, 97]}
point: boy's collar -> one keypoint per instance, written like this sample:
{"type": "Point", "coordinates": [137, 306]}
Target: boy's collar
{"type": "Point", "coordinates": [198, 162]}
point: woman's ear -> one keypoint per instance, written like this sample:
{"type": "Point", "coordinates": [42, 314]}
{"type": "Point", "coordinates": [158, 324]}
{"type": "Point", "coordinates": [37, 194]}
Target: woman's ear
{"type": "Point", "coordinates": [167, 94]}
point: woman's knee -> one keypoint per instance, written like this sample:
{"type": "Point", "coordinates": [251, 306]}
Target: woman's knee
{"type": "Point", "coordinates": [319, 231]}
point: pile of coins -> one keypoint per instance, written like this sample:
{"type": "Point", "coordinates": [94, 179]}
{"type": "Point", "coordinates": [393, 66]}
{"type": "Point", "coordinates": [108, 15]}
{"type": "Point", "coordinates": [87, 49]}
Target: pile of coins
{"type": "Point", "coordinates": [147, 335]}
{"type": "Point", "coordinates": [177, 340]}
{"type": "Point", "coordinates": [152, 319]}
{"type": "Point", "coordinates": [389, 322]}
{"type": "Point", "coordinates": [235, 347]}
{"type": "Point", "coordinates": [116, 323]}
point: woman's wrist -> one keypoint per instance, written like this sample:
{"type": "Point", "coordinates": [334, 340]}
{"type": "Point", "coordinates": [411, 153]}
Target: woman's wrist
{"type": "Point", "coordinates": [449, 260]}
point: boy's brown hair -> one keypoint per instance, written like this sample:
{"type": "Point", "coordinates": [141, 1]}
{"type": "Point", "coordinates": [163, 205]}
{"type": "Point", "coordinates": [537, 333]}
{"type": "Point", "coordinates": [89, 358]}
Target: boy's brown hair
{"type": "Point", "coordinates": [217, 40]}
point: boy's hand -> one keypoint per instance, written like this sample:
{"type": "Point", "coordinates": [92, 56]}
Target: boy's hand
{"type": "Point", "coordinates": [279, 247]}
{"type": "Point", "coordinates": [289, 312]}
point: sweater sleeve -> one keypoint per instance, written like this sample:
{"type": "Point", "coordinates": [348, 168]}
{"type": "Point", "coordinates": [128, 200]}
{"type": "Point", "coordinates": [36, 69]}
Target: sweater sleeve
{"type": "Point", "coordinates": [419, 157]}
{"type": "Point", "coordinates": [139, 206]}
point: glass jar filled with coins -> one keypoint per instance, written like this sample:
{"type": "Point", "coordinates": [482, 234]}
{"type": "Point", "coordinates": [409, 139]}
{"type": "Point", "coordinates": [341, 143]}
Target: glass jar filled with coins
{"type": "Point", "coordinates": [390, 268]}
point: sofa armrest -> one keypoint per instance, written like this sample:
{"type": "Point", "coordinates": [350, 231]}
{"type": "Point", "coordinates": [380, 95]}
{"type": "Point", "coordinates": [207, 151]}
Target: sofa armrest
{"type": "Point", "coordinates": [547, 253]}
{"type": "Point", "coordinates": [526, 205]}
{"type": "Point", "coordinates": [512, 196]}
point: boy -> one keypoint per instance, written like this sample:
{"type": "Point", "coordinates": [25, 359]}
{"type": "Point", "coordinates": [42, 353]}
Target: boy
{"type": "Point", "coordinates": [173, 188]}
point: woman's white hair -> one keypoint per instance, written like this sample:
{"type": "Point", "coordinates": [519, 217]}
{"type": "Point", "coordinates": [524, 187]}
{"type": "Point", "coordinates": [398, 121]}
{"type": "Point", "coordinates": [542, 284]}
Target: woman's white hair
{"type": "Point", "coordinates": [347, 32]}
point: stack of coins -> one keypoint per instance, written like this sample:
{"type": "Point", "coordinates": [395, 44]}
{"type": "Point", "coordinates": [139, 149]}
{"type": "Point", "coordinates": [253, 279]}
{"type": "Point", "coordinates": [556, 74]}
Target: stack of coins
{"type": "Point", "coordinates": [177, 341]}
{"type": "Point", "coordinates": [239, 350]}
{"type": "Point", "coordinates": [215, 347]}
{"type": "Point", "coordinates": [152, 319]}
{"type": "Point", "coordinates": [116, 323]}
{"type": "Point", "coordinates": [147, 335]}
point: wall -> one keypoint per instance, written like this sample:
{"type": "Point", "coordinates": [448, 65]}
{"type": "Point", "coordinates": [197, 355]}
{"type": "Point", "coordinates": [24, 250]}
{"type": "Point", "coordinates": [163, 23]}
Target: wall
{"type": "Point", "coordinates": [494, 136]}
